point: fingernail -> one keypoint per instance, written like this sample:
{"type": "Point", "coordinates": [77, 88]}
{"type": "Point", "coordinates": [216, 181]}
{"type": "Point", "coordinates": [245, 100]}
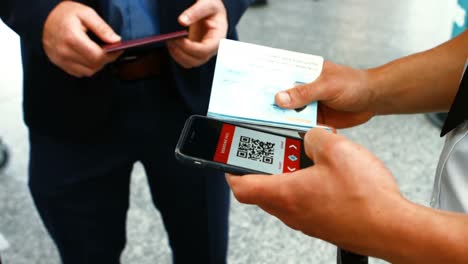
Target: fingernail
{"type": "Point", "coordinates": [114, 37]}
{"type": "Point", "coordinates": [184, 19]}
{"type": "Point", "coordinates": [283, 98]}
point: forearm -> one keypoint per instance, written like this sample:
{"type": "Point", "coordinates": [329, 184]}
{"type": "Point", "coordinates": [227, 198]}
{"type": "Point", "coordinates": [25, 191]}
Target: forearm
{"type": "Point", "coordinates": [410, 233]}
{"type": "Point", "coordinates": [423, 82]}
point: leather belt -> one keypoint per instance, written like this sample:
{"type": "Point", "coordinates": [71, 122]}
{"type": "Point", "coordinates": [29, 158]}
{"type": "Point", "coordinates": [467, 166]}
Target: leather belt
{"type": "Point", "coordinates": [142, 66]}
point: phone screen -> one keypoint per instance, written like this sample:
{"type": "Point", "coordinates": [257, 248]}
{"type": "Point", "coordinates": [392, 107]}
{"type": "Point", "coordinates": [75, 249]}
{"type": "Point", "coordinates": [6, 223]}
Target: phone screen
{"type": "Point", "coordinates": [243, 147]}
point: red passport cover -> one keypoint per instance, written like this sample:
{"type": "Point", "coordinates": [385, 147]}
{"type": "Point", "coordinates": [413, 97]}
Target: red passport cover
{"type": "Point", "coordinates": [144, 41]}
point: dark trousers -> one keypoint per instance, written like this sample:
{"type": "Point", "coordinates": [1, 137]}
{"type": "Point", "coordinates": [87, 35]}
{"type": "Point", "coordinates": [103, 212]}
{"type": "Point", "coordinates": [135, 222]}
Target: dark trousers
{"type": "Point", "coordinates": [82, 190]}
{"type": "Point", "coordinates": [346, 257]}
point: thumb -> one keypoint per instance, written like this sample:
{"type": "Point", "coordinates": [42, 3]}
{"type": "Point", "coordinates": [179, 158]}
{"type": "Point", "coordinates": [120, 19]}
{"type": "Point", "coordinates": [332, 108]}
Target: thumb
{"type": "Point", "coordinates": [299, 96]}
{"type": "Point", "coordinates": [93, 22]}
{"type": "Point", "coordinates": [256, 189]}
{"type": "Point", "coordinates": [197, 11]}
{"type": "Point", "coordinates": [320, 144]}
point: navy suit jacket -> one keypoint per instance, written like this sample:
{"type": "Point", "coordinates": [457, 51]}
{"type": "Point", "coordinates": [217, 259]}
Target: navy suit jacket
{"type": "Point", "coordinates": [80, 109]}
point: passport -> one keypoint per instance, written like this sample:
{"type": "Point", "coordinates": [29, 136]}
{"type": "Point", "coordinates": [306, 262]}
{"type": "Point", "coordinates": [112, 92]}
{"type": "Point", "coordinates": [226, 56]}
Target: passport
{"type": "Point", "coordinates": [144, 42]}
{"type": "Point", "coordinates": [247, 78]}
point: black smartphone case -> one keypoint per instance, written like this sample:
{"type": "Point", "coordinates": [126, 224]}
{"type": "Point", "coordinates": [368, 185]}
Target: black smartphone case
{"type": "Point", "coordinates": [200, 163]}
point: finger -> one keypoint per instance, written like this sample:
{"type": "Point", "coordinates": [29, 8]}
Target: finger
{"type": "Point", "coordinates": [198, 11]}
{"type": "Point", "coordinates": [345, 120]}
{"type": "Point", "coordinates": [203, 50]}
{"type": "Point", "coordinates": [84, 50]}
{"type": "Point", "coordinates": [191, 48]}
{"type": "Point", "coordinates": [112, 56]}
{"type": "Point", "coordinates": [183, 58]}
{"type": "Point", "coordinates": [317, 143]}
{"type": "Point", "coordinates": [91, 54]}
{"type": "Point", "coordinates": [300, 95]}
{"type": "Point", "coordinates": [257, 189]}
{"type": "Point", "coordinates": [276, 194]}
{"type": "Point", "coordinates": [92, 21]}
{"type": "Point", "coordinates": [341, 119]}
{"type": "Point", "coordinates": [71, 62]}
{"type": "Point", "coordinates": [78, 70]}
{"type": "Point", "coordinates": [87, 69]}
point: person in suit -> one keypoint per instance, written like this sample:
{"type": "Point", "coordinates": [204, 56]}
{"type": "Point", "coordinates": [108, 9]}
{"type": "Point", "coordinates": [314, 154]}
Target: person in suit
{"type": "Point", "coordinates": [91, 115]}
{"type": "Point", "coordinates": [349, 197]}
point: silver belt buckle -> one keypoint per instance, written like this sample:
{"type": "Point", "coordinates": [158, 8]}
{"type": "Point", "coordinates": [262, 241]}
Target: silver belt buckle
{"type": "Point", "coordinates": [128, 58]}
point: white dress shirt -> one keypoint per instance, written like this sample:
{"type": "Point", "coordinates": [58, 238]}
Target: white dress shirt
{"type": "Point", "coordinates": [451, 181]}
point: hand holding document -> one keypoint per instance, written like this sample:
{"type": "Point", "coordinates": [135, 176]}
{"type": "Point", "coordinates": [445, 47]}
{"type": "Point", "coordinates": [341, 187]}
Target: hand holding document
{"type": "Point", "coordinates": [248, 76]}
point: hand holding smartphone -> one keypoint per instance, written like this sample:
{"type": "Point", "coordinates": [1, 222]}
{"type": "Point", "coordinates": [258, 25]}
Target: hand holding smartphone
{"type": "Point", "coordinates": [238, 149]}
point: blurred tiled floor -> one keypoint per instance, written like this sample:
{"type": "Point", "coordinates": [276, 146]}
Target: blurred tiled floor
{"type": "Point", "coordinates": [359, 33]}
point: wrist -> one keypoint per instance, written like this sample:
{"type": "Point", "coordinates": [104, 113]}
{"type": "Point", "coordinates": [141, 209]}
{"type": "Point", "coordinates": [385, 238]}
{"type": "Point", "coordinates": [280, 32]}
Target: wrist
{"type": "Point", "coordinates": [392, 230]}
{"type": "Point", "coordinates": [379, 101]}
{"type": "Point", "coordinates": [382, 233]}
{"type": "Point", "coordinates": [412, 233]}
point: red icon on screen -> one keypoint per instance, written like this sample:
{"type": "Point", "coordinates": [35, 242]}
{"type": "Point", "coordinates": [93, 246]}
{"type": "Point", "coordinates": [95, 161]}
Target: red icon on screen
{"type": "Point", "coordinates": [292, 154]}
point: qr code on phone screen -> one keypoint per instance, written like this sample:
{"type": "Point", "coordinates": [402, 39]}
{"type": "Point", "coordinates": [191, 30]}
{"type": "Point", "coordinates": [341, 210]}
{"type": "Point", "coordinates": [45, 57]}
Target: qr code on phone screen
{"type": "Point", "coordinates": [255, 149]}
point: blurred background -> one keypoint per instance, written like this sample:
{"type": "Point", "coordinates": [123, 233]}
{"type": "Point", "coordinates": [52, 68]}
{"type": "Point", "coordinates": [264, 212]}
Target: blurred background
{"type": "Point", "coordinates": [358, 33]}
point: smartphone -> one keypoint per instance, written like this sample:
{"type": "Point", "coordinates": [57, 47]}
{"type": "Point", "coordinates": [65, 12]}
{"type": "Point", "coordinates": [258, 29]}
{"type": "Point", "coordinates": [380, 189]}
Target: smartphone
{"type": "Point", "coordinates": [238, 149]}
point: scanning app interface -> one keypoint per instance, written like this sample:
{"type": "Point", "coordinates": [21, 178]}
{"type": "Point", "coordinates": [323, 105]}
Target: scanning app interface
{"type": "Point", "coordinates": [257, 150]}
